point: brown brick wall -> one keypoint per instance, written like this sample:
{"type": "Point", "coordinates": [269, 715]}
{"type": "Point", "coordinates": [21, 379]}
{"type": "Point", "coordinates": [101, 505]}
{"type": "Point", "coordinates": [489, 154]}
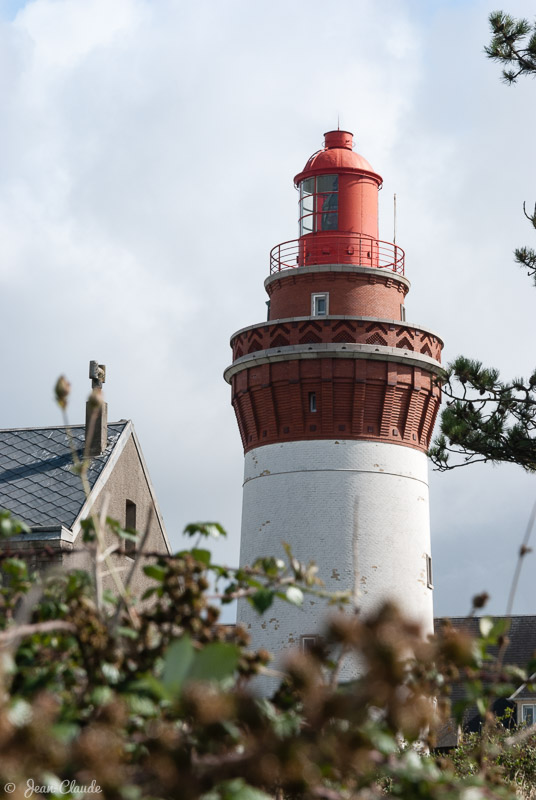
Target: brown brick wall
{"type": "Point", "coordinates": [350, 294]}
{"type": "Point", "coordinates": [355, 399]}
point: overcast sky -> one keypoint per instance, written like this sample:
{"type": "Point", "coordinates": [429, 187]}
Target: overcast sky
{"type": "Point", "coordinates": [147, 151]}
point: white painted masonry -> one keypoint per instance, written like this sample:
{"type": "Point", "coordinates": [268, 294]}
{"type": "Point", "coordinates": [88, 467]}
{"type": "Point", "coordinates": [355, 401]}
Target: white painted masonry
{"type": "Point", "coordinates": [358, 509]}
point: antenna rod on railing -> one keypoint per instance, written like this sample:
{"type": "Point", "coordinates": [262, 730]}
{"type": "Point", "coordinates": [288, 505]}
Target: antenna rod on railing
{"type": "Point", "coordinates": [394, 218]}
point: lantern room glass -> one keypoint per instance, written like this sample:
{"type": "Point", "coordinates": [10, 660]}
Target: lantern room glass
{"type": "Point", "coordinates": [319, 204]}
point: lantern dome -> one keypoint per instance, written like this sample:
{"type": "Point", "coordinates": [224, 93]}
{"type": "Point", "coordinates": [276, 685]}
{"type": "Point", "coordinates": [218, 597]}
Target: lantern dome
{"type": "Point", "coordinates": [336, 156]}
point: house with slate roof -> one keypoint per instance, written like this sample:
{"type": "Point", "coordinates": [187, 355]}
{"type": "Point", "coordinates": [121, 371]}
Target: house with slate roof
{"type": "Point", "coordinates": [520, 652]}
{"type": "Point", "coordinates": [39, 486]}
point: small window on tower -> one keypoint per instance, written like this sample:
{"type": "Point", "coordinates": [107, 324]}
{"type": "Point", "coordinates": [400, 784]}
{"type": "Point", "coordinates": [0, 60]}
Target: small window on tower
{"type": "Point", "coordinates": [429, 577]}
{"type": "Point", "coordinates": [312, 402]}
{"type": "Point", "coordinates": [319, 305]}
{"type": "Point", "coordinates": [268, 310]}
{"type": "Point", "coordinates": [402, 312]}
{"type": "Point", "coordinates": [308, 643]}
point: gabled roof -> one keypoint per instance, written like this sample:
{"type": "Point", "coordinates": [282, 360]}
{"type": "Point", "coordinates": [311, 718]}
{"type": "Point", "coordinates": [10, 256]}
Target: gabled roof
{"type": "Point", "coordinates": [520, 650]}
{"type": "Point", "coordinates": [521, 636]}
{"type": "Point", "coordinates": [37, 481]}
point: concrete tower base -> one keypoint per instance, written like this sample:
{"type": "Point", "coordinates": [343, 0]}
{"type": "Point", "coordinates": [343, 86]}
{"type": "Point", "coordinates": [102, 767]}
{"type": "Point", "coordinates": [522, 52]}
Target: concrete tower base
{"type": "Point", "coordinates": [358, 509]}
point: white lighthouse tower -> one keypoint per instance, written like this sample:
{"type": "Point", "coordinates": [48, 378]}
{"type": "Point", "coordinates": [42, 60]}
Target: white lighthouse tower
{"type": "Point", "coordinates": [336, 398]}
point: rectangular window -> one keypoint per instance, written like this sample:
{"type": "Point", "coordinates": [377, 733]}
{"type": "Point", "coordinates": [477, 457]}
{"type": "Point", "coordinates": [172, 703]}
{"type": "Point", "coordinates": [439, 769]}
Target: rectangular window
{"type": "Point", "coordinates": [527, 714]}
{"type": "Point", "coordinates": [429, 576]}
{"type": "Point", "coordinates": [402, 312]}
{"type": "Point", "coordinates": [307, 643]}
{"type": "Point", "coordinates": [268, 311]}
{"type": "Point", "coordinates": [312, 402]}
{"type": "Point", "coordinates": [327, 183]}
{"type": "Point", "coordinates": [319, 204]}
{"type": "Point", "coordinates": [130, 524]}
{"type": "Point", "coordinates": [320, 305]}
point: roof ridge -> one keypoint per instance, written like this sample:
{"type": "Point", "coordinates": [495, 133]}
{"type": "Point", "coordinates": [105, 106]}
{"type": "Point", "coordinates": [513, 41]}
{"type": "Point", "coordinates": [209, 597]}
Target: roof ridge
{"type": "Point", "coordinates": [57, 427]}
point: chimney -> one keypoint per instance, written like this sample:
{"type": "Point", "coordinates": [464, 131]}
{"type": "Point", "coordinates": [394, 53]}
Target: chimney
{"type": "Point", "coordinates": [96, 412]}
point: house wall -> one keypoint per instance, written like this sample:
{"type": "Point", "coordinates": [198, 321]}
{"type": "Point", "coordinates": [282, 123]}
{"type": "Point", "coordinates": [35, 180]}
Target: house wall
{"type": "Point", "coordinates": [41, 554]}
{"type": "Point", "coordinates": [127, 481]}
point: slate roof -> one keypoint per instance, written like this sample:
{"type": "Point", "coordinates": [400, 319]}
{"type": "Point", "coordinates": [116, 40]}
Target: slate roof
{"type": "Point", "coordinates": [37, 483]}
{"type": "Point", "coordinates": [521, 634]}
{"type": "Point", "coordinates": [520, 650]}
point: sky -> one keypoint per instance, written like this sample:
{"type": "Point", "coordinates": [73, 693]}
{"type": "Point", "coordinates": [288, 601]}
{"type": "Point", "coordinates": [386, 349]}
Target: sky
{"type": "Point", "coordinates": [147, 151]}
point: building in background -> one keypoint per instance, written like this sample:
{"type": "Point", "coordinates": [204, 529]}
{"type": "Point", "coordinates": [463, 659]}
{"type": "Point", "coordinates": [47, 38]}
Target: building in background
{"type": "Point", "coordinates": [39, 486]}
{"type": "Point", "coordinates": [336, 397]}
{"type": "Point", "coordinates": [519, 650]}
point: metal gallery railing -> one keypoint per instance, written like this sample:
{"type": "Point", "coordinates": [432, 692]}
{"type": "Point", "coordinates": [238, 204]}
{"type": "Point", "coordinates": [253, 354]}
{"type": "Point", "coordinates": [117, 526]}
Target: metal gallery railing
{"type": "Point", "coordinates": [343, 248]}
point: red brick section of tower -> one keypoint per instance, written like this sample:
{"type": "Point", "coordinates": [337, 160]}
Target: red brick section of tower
{"type": "Point", "coordinates": [336, 358]}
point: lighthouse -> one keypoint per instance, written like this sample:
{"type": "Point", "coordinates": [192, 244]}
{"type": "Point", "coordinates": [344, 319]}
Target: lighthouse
{"type": "Point", "coordinates": [336, 396]}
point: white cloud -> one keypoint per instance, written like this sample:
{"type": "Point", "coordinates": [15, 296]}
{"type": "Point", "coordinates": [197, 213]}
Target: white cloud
{"type": "Point", "coordinates": [148, 156]}
{"type": "Point", "coordinates": [63, 32]}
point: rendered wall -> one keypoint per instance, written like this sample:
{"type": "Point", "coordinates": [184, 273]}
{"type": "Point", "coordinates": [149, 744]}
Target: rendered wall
{"type": "Point", "coordinates": [358, 509]}
{"type": "Point", "coordinates": [127, 481]}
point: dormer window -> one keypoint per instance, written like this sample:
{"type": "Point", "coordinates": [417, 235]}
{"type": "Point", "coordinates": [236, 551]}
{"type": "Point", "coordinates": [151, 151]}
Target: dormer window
{"type": "Point", "coordinates": [319, 204]}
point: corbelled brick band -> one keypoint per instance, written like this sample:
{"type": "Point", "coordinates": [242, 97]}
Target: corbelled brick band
{"type": "Point", "coordinates": [354, 398]}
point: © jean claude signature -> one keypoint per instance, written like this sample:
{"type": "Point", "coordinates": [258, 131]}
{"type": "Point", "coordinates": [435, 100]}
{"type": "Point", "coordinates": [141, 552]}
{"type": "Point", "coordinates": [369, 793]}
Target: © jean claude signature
{"type": "Point", "coordinates": [65, 787]}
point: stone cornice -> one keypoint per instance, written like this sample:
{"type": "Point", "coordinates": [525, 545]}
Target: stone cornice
{"type": "Point", "coordinates": [332, 350]}
{"type": "Point", "coordinates": [296, 272]}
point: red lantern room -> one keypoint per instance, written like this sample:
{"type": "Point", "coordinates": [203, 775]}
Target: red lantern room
{"type": "Point", "coordinates": [338, 217]}
{"type": "Point", "coordinates": [338, 193]}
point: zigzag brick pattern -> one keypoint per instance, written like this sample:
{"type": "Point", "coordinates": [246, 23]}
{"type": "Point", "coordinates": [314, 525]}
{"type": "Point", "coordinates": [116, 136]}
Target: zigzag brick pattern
{"type": "Point", "coordinates": [282, 334]}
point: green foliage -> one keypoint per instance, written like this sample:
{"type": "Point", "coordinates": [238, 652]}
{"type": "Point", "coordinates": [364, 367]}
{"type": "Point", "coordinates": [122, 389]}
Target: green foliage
{"type": "Point", "coordinates": [205, 529]}
{"type": "Point", "coordinates": [183, 664]}
{"type": "Point", "coordinates": [511, 756]}
{"type": "Point", "coordinates": [9, 526]}
{"type": "Point", "coordinates": [513, 43]}
{"type": "Point", "coordinates": [154, 700]}
{"type": "Point", "coordinates": [486, 419]}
